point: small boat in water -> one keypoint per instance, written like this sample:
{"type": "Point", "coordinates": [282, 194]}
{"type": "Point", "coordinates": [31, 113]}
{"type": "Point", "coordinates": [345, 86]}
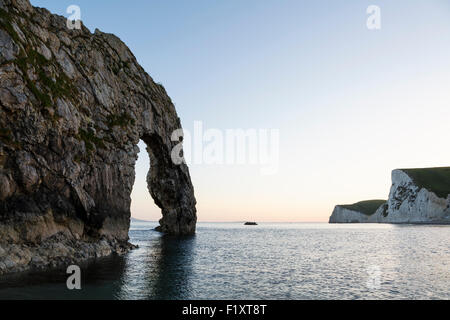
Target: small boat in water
{"type": "Point", "coordinates": [250, 224]}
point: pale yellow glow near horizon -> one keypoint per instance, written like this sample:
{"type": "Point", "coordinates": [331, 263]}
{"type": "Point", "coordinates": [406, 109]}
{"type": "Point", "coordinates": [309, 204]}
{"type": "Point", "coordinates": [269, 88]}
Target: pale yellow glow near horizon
{"type": "Point", "coordinates": [339, 158]}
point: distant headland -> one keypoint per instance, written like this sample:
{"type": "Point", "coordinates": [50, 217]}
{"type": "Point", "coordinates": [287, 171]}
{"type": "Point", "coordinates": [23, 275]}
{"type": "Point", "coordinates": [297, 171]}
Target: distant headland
{"type": "Point", "coordinates": [419, 196]}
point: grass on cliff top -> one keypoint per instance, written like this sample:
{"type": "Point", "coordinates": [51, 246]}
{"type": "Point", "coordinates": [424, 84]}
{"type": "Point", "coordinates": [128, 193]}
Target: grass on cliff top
{"type": "Point", "coordinates": [436, 180]}
{"type": "Point", "coordinates": [368, 207]}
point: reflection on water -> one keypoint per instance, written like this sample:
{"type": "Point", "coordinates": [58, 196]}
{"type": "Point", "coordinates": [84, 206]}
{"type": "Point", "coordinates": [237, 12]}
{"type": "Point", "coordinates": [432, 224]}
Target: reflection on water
{"type": "Point", "coordinates": [169, 279]}
{"type": "Point", "coordinates": [159, 270]}
{"type": "Point", "coordinates": [269, 261]}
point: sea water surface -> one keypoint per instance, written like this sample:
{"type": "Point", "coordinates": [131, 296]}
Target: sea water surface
{"type": "Point", "coordinates": [268, 261]}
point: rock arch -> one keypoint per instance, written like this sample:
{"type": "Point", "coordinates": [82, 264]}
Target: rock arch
{"type": "Point", "coordinates": [73, 106]}
{"type": "Point", "coordinates": [171, 188]}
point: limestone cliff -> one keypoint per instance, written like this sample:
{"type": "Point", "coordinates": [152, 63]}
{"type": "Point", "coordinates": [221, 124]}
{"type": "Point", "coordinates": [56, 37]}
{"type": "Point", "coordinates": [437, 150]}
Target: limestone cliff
{"type": "Point", "coordinates": [416, 196]}
{"type": "Point", "coordinates": [73, 107]}
{"type": "Point", "coordinates": [360, 212]}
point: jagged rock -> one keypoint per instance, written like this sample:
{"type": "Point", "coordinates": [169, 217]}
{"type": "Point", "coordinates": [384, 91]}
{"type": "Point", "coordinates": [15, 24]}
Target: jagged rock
{"type": "Point", "coordinates": [416, 196]}
{"type": "Point", "coordinates": [73, 107]}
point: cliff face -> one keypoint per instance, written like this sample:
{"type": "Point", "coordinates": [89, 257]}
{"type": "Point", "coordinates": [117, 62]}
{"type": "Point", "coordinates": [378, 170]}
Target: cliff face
{"type": "Point", "coordinates": [409, 202]}
{"type": "Point", "coordinates": [416, 196]}
{"type": "Point", "coordinates": [73, 107]}
{"type": "Point", "coordinates": [341, 214]}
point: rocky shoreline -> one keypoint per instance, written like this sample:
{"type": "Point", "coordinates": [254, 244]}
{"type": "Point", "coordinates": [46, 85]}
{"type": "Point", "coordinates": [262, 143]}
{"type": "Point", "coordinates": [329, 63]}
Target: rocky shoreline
{"type": "Point", "coordinates": [56, 251]}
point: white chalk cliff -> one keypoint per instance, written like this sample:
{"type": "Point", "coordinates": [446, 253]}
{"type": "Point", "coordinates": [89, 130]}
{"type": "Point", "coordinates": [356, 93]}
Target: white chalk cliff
{"type": "Point", "coordinates": [416, 196]}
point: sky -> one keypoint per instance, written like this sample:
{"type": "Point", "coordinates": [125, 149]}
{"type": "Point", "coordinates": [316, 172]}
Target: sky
{"type": "Point", "coordinates": [350, 104]}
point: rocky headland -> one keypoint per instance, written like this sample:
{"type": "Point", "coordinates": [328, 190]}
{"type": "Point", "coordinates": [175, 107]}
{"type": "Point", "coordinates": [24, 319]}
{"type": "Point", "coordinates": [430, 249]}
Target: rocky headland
{"type": "Point", "coordinates": [73, 107]}
{"type": "Point", "coordinates": [419, 196]}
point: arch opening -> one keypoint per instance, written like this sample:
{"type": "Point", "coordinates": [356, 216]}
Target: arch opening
{"type": "Point", "coordinates": [169, 185]}
{"type": "Point", "coordinates": [143, 206]}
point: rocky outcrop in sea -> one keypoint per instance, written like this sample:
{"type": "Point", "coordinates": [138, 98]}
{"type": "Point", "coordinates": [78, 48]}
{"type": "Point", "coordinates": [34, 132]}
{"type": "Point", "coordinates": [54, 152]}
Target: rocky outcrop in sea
{"type": "Point", "coordinates": [73, 107]}
{"type": "Point", "coordinates": [417, 196]}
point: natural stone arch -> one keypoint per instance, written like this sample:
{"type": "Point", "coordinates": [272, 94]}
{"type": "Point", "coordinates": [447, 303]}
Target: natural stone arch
{"type": "Point", "coordinates": [73, 106]}
{"type": "Point", "coordinates": [171, 188]}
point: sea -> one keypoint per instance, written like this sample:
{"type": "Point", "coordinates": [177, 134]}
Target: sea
{"type": "Point", "coordinates": [276, 261]}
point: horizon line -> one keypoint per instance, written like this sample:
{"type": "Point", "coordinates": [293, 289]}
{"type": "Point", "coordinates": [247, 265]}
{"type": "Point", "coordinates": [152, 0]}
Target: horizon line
{"type": "Point", "coordinates": [239, 221]}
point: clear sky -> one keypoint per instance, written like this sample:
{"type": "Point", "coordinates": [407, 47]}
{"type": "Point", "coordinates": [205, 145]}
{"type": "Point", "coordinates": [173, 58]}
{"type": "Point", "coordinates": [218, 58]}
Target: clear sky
{"type": "Point", "coordinates": [351, 104]}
